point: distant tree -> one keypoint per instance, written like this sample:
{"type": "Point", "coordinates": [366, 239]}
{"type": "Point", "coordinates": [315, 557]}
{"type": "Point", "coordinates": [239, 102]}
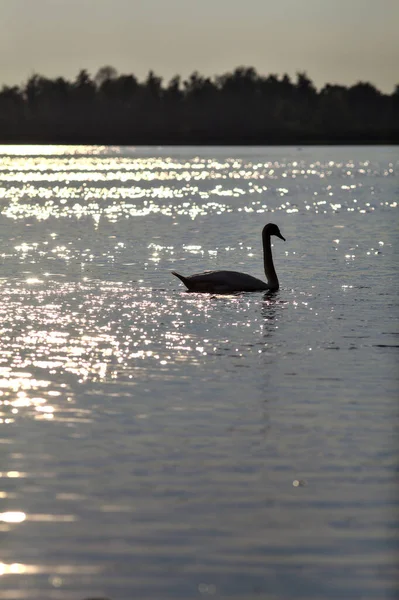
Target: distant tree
{"type": "Point", "coordinates": [104, 74]}
{"type": "Point", "coordinates": [12, 95]}
{"type": "Point", "coordinates": [12, 113]}
{"type": "Point", "coordinates": [83, 86]}
{"type": "Point", "coordinates": [304, 84]}
{"type": "Point", "coordinates": [395, 96]}
{"type": "Point", "coordinates": [153, 86]}
{"type": "Point", "coordinates": [173, 90]}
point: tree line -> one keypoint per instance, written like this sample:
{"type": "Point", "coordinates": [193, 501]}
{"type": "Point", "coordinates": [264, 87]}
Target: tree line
{"type": "Point", "coordinates": [239, 107]}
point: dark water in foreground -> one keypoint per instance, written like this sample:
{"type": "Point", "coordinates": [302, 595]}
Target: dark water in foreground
{"type": "Point", "coordinates": [159, 445]}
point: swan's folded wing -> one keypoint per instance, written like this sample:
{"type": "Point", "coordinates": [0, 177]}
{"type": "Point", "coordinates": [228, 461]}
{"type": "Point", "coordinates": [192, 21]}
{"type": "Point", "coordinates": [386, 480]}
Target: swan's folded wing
{"type": "Point", "coordinates": [224, 282]}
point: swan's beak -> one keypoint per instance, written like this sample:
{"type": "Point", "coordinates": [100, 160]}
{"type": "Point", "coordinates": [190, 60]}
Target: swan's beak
{"type": "Point", "coordinates": [280, 236]}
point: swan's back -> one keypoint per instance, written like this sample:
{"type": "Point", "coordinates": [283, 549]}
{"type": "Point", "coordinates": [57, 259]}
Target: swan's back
{"type": "Point", "coordinates": [219, 282]}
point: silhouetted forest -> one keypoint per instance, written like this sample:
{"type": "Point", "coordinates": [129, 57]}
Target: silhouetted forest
{"type": "Point", "coordinates": [241, 107]}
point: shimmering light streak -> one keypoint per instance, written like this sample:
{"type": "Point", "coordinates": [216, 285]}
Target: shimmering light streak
{"type": "Point", "coordinates": [99, 183]}
{"type": "Point", "coordinates": [12, 517]}
{"type": "Point", "coordinates": [29, 569]}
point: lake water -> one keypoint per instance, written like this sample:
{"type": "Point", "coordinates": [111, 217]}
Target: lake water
{"type": "Point", "coordinates": [159, 445]}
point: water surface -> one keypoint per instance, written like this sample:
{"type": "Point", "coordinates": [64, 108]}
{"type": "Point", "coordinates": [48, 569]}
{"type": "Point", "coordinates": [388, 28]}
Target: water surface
{"type": "Point", "coordinates": [158, 444]}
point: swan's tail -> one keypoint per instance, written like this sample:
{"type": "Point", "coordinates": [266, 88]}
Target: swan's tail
{"type": "Point", "coordinates": [182, 278]}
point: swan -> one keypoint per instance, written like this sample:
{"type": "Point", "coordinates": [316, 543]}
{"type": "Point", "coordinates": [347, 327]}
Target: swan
{"type": "Point", "coordinates": [222, 282]}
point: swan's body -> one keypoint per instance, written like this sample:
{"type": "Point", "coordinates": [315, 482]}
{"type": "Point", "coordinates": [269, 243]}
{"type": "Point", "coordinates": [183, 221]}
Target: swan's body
{"type": "Point", "coordinates": [222, 282]}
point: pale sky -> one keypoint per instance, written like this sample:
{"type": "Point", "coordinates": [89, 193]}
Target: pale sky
{"type": "Point", "coordinates": [334, 41]}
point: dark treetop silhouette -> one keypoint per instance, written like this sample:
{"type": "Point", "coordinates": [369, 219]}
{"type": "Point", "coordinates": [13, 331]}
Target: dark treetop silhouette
{"type": "Point", "coordinates": [241, 107]}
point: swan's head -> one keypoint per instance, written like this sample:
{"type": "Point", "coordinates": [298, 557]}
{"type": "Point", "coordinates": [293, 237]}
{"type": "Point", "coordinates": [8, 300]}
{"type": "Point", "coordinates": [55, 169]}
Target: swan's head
{"type": "Point", "coordinates": [272, 229]}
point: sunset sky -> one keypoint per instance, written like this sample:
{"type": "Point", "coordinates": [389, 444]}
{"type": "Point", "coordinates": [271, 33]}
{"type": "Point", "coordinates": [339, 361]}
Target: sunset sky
{"type": "Point", "coordinates": [335, 41]}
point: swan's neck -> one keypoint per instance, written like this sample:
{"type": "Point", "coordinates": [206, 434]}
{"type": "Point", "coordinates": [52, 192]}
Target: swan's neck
{"type": "Point", "coordinates": [271, 275]}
